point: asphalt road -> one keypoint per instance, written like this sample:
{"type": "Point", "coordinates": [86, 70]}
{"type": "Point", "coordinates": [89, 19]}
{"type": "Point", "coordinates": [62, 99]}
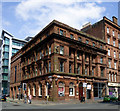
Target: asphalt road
{"type": "Point", "coordinates": [11, 105]}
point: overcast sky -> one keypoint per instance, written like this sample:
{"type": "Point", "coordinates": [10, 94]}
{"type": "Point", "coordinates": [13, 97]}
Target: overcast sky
{"type": "Point", "coordinates": [27, 18]}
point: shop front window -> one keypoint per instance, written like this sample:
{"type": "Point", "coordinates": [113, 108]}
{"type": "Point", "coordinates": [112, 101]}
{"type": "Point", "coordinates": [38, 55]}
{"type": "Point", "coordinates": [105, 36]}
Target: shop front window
{"type": "Point", "coordinates": [61, 89]}
{"type": "Point", "coordinates": [71, 89]}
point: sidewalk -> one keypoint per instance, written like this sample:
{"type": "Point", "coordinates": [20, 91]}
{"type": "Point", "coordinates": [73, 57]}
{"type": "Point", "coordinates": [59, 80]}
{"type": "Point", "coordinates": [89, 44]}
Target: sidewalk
{"type": "Point", "coordinates": [44, 102]}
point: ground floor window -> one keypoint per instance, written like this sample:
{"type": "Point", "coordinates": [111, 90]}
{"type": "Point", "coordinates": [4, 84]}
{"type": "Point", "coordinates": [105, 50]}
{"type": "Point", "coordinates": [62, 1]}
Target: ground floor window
{"type": "Point", "coordinates": [40, 89]}
{"type": "Point", "coordinates": [71, 89]}
{"type": "Point", "coordinates": [28, 90]}
{"type": "Point", "coordinates": [34, 90]}
{"type": "Point", "coordinates": [61, 89]}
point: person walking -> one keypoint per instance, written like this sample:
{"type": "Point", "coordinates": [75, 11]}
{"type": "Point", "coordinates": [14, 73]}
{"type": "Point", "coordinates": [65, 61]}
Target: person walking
{"type": "Point", "coordinates": [30, 97]}
{"type": "Point", "coordinates": [25, 98]}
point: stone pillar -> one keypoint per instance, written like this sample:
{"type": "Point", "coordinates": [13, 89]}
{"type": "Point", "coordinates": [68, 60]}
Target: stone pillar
{"type": "Point", "coordinates": [66, 90]}
{"type": "Point", "coordinates": [90, 65]}
{"type": "Point", "coordinates": [75, 62]}
{"type": "Point", "coordinates": [83, 64]}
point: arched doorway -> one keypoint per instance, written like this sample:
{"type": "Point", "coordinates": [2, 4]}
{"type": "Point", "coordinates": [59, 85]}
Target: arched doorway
{"type": "Point", "coordinates": [80, 90]}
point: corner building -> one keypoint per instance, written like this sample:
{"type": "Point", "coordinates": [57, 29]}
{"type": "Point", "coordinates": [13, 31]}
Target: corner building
{"type": "Point", "coordinates": [61, 62]}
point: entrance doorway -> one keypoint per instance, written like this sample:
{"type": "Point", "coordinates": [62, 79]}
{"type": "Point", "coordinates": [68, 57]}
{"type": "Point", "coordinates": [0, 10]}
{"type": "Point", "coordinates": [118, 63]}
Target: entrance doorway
{"type": "Point", "coordinates": [80, 90]}
{"type": "Point", "coordinates": [88, 94]}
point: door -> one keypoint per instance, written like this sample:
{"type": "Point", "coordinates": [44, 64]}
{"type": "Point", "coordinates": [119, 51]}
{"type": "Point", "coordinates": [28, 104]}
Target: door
{"type": "Point", "coordinates": [80, 90]}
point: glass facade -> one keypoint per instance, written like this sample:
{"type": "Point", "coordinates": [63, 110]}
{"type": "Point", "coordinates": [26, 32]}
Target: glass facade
{"type": "Point", "coordinates": [5, 69]}
{"type": "Point", "coordinates": [6, 55]}
{"type": "Point", "coordinates": [4, 77]}
{"type": "Point", "coordinates": [5, 62]}
{"type": "Point", "coordinates": [6, 41]}
{"type": "Point", "coordinates": [14, 51]}
{"type": "Point", "coordinates": [17, 43]}
{"type": "Point", "coordinates": [6, 48]}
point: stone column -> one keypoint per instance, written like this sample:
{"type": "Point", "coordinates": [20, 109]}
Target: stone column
{"type": "Point", "coordinates": [90, 65]}
{"type": "Point", "coordinates": [75, 62]}
{"type": "Point", "coordinates": [83, 64]}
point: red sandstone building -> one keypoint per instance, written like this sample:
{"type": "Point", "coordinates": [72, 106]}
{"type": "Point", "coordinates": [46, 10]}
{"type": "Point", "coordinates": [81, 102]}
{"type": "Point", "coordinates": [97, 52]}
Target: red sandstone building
{"type": "Point", "coordinates": [61, 62]}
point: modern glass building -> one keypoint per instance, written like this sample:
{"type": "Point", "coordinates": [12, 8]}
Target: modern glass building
{"type": "Point", "coordinates": [9, 45]}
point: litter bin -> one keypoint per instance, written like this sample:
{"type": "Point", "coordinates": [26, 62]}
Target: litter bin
{"type": "Point", "coordinates": [82, 99]}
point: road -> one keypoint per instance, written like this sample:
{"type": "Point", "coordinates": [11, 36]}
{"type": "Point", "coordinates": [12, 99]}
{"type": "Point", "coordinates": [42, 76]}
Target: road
{"type": "Point", "coordinates": [11, 105]}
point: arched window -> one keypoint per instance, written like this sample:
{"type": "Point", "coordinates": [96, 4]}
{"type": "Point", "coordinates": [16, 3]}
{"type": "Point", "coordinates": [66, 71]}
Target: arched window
{"type": "Point", "coordinates": [40, 89]}
{"type": "Point", "coordinates": [34, 90]}
{"type": "Point", "coordinates": [61, 89]}
{"type": "Point", "coordinates": [71, 89]}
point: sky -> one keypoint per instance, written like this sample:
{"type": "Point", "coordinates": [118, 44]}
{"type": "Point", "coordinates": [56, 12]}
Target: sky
{"type": "Point", "coordinates": [25, 18]}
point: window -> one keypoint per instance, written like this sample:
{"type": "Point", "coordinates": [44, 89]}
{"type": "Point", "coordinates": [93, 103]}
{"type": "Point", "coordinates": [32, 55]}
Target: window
{"type": "Point", "coordinates": [101, 46]}
{"type": "Point", "coordinates": [46, 51]}
{"type": "Point", "coordinates": [40, 89]}
{"type": "Point", "coordinates": [109, 77]}
{"type": "Point", "coordinates": [49, 50]}
{"type": "Point", "coordinates": [119, 55]}
{"type": "Point", "coordinates": [71, 36]}
{"type": "Point", "coordinates": [61, 66]}
{"type": "Point", "coordinates": [101, 60]}
{"type": "Point", "coordinates": [79, 39]}
{"type": "Point", "coordinates": [113, 33]}
{"type": "Point", "coordinates": [61, 32]}
{"type": "Point", "coordinates": [115, 77]}
{"type": "Point", "coordinates": [34, 90]}
{"type": "Point", "coordinates": [70, 68]}
{"type": "Point", "coordinates": [36, 71]}
{"type": "Point", "coordinates": [28, 90]}
{"type": "Point", "coordinates": [108, 40]}
{"type": "Point", "coordinates": [86, 70]}
{"type": "Point", "coordinates": [109, 62]}
{"type": "Point", "coordinates": [6, 55]}
{"type": "Point", "coordinates": [36, 56]}
{"type": "Point", "coordinates": [119, 45]}
{"type": "Point", "coordinates": [109, 52]}
{"type": "Point", "coordinates": [87, 41]}
{"type": "Point", "coordinates": [115, 65]}
{"type": "Point", "coordinates": [112, 77]}
{"type": "Point", "coordinates": [93, 44]}
{"type": "Point", "coordinates": [4, 77]}
{"type": "Point", "coordinates": [14, 50]}
{"type": "Point", "coordinates": [6, 41]}
{"type": "Point", "coordinates": [49, 66]}
{"type": "Point", "coordinates": [71, 89]}
{"type": "Point", "coordinates": [78, 54]}
{"type": "Point", "coordinates": [93, 71]}
{"type": "Point", "coordinates": [47, 92]}
{"type": "Point", "coordinates": [113, 42]}
{"type": "Point", "coordinates": [6, 48]}
{"type": "Point", "coordinates": [5, 62]}
{"type": "Point", "coordinates": [61, 89]}
{"type": "Point", "coordinates": [40, 54]}
{"type": "Point", "coordinates": [46, 67]}
{"type": "Point", "coordinates": [61, 50]}
{"type": "Point", "coordinates": [107, 30]}
{"type": "Point", "coordinates": [118, 36]}
{"type": "Point", "coordinates": [114, 54]}
{"type": "Point", "coordinates": [78, 68]}
{"type": "Point", "coordinates": [40, 69]}
{"type": "Point", "coordinates": [102, 70]}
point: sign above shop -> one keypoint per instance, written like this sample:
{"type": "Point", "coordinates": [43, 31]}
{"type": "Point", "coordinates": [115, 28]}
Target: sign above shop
{"type": "Point", "coordinates": [89, 87]}
{"type": "Point", "coordinates": [113, 84]}
{"type": "Point", "coordinates": [84, 84]}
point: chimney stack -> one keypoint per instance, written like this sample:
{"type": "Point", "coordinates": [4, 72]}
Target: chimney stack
{"type": "Point", "coordinates": [115, 20]}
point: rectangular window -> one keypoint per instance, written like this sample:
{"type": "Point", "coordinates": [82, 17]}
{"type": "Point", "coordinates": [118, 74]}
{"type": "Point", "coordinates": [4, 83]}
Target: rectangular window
{"type": "Point", "coordinates": [119, 55]}
{"type": "Point", "coordinates": [6, 48]}
{"type": "Point", "coordinates": [113, 33]}
{"type": "Point", "coordinates": [36, 56]}
{"type": "Point", "coordinates": [46, 51]}
{"type": "Point", "coordinates": [71, 36]}
{"type": "Point", "coordinates": [6, 41]}
{"type": "Point", "coordinates": [40, 69]}
{"type": "Point", "coordinates": [5, 62]}
{"type": "Point", "coordinates": [78, 68]}
{"type": "Point", "coordinates": [61, 50]}
{"type": "Point", "coordinates": [6, 55]}
{"type": "Point", "coordinates": [79, 39]}
{"type": "Point", "coordinates": [113, 42]}
{"type": "Point", "coordinates": [61, 32]}
{"type": "Point", "coordinates": [118, 36]}
{"type": "Point", "coordinates": [61, 66]}
{"type": "Point", "coordinates": [109, 52]}
{"type": "Point", "coordinates": [86, 70]}
{"type": "Point", "coordinates": [119, 45]}
{"type": "Point", "coordinates": [93, 44]}
{"type": "Point", "coordinates": [114, 54]}
{"type": "Point", "coordinates": [5, 70]}
{"type": "Point", "coordinates": [87, 41]}
{"type": "Point", "coordinates": [49, 50]}
{"type": "Point", "coordinates": [102, 70]}
{"type": "Point", "coordinates": [115, 65]}
{"type": "Point", "coordinates": [78, 54]}
{"type": "Point", "coordinates": [101, 46]}
{"type": "Point", "coordinates": [70, 68]}
{"type": "Point", "coordinates": [15, 72]}
{"type": "Point", "coordinates": [46, 67]}
{"type": "Point", "coordinates": [101, 60]}
{"type": "Point", "coordinates": [93, 71]}
{"type": "Point", "coordinates": [109, 62]}
{"type": "Point", "coordinates": [36, 71]}
{"type": "Point", "coordinates": [115, 77]}
{"type": "Point", "coordinates": [107, 30]}
{"type": "Point", "coordinates": [112, 77]}
{"type": "Point", "coordinates": [40, 55]}
{"type": "Point", "coordinates": [108, 40]}
{"type": "Point", "coordinates": [49, 66]}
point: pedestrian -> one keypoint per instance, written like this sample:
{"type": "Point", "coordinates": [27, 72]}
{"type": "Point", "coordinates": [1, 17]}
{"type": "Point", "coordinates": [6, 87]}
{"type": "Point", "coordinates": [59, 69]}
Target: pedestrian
{"type": "Point", "coordinates": [29, 100]}
{"type": "Point", "coordinates": [25, 98]}
{"type": "Point", "coordinates": [13, 97]}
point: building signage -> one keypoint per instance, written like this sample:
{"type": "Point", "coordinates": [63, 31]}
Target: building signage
{"type": "Point", "coordinates": [113, 84]}
{"type": "Point", "coordinates": [84, 84]}
{"type": "Point", "coordinates": [89, 87]}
